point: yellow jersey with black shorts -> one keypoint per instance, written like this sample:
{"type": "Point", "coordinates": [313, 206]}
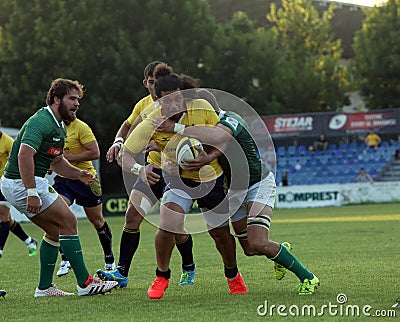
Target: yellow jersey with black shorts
{"type": "Point", "coordinates": [79, 134]}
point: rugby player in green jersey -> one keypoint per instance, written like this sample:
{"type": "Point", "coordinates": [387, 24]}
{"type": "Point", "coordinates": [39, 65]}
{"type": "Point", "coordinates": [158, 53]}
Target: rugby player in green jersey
{"type": "Point", "coordinates": [37, 149]}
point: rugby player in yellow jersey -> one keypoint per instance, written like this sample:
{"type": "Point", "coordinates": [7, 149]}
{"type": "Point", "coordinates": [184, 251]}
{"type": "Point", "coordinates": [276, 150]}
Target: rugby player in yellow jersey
{"type": "Point", "coordinates": [179, 194]}
{"type": "Point", "coordinates": [7, 223]}
{"type": "Point", "coordinates": [143, 196]}
{"type": "Point", "coordinates": [136, 115]}
{"type": "Point", "coordinates": [80, 148]}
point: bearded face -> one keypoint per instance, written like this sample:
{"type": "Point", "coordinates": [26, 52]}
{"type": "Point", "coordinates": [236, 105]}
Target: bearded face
{"type": "Point", "coordinates": [68, 106]}
{"type": "Point", "coordinates": [66, 113]}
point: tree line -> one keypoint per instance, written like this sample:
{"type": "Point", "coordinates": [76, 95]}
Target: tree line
{"type": "Point", "coordinates": [293, 66]}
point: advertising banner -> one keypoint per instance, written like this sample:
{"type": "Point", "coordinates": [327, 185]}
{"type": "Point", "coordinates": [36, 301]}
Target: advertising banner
{"type": "Point", "coordinates": [331, 123]}
{"type": "Point", "coordinates": [337, 194]}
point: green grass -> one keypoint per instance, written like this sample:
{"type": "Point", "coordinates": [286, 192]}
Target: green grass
{"type": "Point", "coordinates": [358, 258]}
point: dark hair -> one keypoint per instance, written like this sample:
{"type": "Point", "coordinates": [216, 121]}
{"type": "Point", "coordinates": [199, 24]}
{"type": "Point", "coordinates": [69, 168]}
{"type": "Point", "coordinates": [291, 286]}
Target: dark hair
{"type": "Point", "coordinates": [188, 82]}
{"type": "Point", "coordinates": [61, 87]}
{"type": "Point", "coordinates": [149, 69]}
{"type": "Point", "coordinates": [166, 79]}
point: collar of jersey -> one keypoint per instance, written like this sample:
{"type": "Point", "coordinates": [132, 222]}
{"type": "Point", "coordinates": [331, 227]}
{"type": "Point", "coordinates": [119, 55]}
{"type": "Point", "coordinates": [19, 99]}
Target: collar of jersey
{"type": "Point", "coordinates": [59, 123]}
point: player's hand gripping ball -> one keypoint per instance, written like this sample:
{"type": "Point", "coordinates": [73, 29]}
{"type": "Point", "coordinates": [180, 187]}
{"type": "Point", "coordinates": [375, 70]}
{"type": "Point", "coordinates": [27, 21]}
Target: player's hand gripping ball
{"type": "Point", "coordinates": [186, 150]}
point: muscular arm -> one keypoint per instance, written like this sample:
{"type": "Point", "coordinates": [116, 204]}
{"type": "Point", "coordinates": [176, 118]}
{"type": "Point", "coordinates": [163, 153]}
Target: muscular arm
{"type": "Point", "coordinates": [27, 166]}
{"type": "Point", "coordinates": [92, 152]}
{"type": "Point", "coordinates": [218, 135]}
{"type": "Point", "coordinates": [61, 166]}
{"type": "Point", "coordinates": [123, 130]}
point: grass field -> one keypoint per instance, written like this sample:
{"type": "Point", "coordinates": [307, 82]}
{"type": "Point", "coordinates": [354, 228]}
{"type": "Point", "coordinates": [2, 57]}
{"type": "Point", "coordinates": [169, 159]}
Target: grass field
{"type": "Point", "coordinates": [354, 250]}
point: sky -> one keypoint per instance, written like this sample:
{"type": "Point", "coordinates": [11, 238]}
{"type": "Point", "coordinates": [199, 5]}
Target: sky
{"type": "Point", "coordinates": [368, 3]}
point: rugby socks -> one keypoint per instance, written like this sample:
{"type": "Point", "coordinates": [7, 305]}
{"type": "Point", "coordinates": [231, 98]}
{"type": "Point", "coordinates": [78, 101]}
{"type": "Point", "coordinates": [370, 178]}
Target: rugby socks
{"type": "Point", "coordinates": [185, 248]}
{"type": "Point", "coordinates": [289, 261]}
{"type": "Point", "coordinates": [231, 272]}
{"type": "Point", "coordinates": [4, 232]}
{"type": "Point", "coordinates": [48, 257]}
{"type": "Point", "coordinates": [166, 274]}
{"type": "Point", "coordinates": [72, 249]}
{"type": "Point", "coordinates": [17, 230]}
{"type": "Point", "coordinates": [129, 244]}
{"type": "Point", "coordinates": [105, 238]}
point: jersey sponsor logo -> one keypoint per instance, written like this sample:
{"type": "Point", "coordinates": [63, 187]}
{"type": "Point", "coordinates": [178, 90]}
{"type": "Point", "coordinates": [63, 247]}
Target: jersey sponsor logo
{"type": "Point", "coordinates": [232, 122]}
{"type": "Point", "coordinates": [54, 151]}
{"type": "Point", "coordinates": [57, 139]}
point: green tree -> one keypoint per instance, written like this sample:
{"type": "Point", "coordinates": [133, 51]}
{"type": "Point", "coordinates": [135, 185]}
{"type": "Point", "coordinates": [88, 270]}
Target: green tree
{"type": "Point", "coordinates": [310, 77]}
{"type": "Point", "coordinates": [242, 60]}
{"type": "Point", "coordinates": [377, 56]}
{"type": "Point", "coordinates": [103, 44]}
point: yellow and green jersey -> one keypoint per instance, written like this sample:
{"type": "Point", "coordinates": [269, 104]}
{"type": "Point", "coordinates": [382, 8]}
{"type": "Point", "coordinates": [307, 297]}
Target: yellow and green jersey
{"type": "Point", "coordinates": [199, 112]}
{"type": "Point", "coordinates": [6, 143]}
{"type": "Point", "coordinates": [78, 135]}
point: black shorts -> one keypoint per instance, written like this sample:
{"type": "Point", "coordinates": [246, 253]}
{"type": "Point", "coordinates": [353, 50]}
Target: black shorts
{"type": "Point", "coordinates": [76, 190]}
{"type": "Point", "coordinates": [210, 195]}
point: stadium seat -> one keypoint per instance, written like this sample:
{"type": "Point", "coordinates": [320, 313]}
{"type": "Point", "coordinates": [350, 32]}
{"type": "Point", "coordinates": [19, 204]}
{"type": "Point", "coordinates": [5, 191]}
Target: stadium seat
{"type": "Point", "coordinates": [281, 151]}
{"type": "Point", "coordinates": [384, 144]}
{"type": "Point", "coordinates": [291, 150]}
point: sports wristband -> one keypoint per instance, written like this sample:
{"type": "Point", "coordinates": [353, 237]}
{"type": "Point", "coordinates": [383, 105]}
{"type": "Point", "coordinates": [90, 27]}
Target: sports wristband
{"type": "Point", "coordinates": [32, 192]}
{"type": "Point", "coordinates": [179, 128]}
{"type": "Point", "coordinates": [136, 168]}
{"type": "Point", "coordinates": [119, 139]}
{"type": "Point", "coordinates": [118, 144]}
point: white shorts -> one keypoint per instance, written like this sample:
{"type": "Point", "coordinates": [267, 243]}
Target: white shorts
{"type": "Point", "coordinates": [15, 193]}
{"type": "Point", "coordinates": [263, 192]}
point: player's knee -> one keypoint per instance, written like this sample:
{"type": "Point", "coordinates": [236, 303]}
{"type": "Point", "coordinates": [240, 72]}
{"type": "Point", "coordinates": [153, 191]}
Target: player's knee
{"type": "Point", "coordinates": [221, 235]}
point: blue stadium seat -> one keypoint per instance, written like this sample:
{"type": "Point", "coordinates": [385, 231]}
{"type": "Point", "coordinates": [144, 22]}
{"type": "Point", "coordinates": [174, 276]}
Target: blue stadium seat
{"type": "Point", "coordinates": [291, 150]}
{"type": "Point", "coordinates": [281, 151]}
{"type": "Point", "coordinates": [384, 144]}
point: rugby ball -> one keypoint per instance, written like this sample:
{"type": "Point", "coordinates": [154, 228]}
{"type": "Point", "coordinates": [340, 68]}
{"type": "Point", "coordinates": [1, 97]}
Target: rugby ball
{"type": "Point", "coordinates": [186, 150]}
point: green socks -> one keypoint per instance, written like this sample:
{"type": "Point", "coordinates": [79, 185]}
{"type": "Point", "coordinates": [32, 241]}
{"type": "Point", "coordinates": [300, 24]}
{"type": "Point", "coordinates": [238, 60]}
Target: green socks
{"type": "Point", "coordinates": [72, 249]}
{"type": "Point", "coordinates": [48, 258]}
{"type": "Point", "coordinates": [289, 261]}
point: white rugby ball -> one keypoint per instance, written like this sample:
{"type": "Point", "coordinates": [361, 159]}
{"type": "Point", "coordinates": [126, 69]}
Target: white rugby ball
{"type": "Point", "coordinates": [186, 150]}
